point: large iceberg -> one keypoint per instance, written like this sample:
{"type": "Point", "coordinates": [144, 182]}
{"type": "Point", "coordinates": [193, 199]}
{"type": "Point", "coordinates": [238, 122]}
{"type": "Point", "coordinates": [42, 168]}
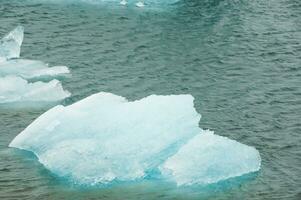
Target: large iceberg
{"type": "Point", "coordinates": [14, 89]}
{"type": "Point", "coordinates": [104, 139]}
{"type": "Point", "coordinates": [31, 69]}
{"type": "Point", "coordinates": [10, 45]}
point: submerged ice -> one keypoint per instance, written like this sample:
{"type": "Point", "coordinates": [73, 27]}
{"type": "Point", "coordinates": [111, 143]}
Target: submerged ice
{"type": "Point", "coordinates": [105, 138]}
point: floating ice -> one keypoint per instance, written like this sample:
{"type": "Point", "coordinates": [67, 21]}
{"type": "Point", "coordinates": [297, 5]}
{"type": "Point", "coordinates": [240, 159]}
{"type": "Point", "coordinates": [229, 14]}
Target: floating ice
{"type": "Point", "coordinates": [148, 3]}
{"type": "Point", "coordinates": [31, 69]}
{"type": "Point", "coordinates": [140, 4]}
{"type": "Point", "coordinates": [10, 45]}
{"type": "Point", "coordinates": [209, 158]}
{"type": "Point", "coordinates": [104, 138]}
{"type": "Point", "coordinates": [15, 89]}
{"type": "Point", "coordinates": [2, 59]}
{"type": "Point", "coordinates": [123, 2]}
{"type": "Point", "coordinates": [14, 74]}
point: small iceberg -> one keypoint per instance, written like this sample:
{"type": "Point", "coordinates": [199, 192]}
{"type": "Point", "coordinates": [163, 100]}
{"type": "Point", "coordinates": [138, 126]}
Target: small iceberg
{"type": "Point", "coordinates": [208, 158]}
{"type": "Point", "coordinates": [17, 76]}
{"type": "Point", "coordinates": [14, 89]}
{"type": "Point", "coordinates": [10, 45]}
{"type": "Point", "coordinates": [140, 4]}
{"type": "Point", "coordinates": [105, 138]}
{"type": "Point", "coordinates": [123, 2]}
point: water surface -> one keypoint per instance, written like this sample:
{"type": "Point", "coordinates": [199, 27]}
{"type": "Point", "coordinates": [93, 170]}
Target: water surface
{"type": "Point", "coordinates": [241, 60]}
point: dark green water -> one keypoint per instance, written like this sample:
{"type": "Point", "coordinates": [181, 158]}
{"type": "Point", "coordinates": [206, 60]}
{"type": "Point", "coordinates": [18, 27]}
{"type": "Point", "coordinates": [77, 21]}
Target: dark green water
{"type": "Point", "coordinates": [241, 60]}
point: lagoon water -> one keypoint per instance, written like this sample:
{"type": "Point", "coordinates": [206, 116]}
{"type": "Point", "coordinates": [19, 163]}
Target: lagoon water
{"type": "Point", "coordinates": [241, 60]}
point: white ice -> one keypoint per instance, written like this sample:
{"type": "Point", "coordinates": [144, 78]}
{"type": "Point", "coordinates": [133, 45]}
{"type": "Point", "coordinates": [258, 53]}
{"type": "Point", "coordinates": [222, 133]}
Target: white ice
{"type": "Point", "coordinates": [15, 74]}
{"type": "Point", "coordinates": [10, 45]}
{"type": "Point", "coordinates": [14, 89]}
{"type": "Point", "coordinates": [208, 158]}
{"type": "Point", "coordinates": [31, 69]}
{"type": "Point", "coordinates": [140, 4]}
{"type": "Point", "coordinates": [123, 2]}
{"type": "Point", "coordinates": [105, 138]}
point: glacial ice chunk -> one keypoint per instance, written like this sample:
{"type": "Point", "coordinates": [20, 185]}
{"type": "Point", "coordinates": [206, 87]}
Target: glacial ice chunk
{"type": "Point", "coordinates": [208, 158]}
{"type": "Point", "coordinates": [31, 69]}
{"type": "Point", "coordinates": [15, 89]}
{"type": "Point", "coordinates": [105, 138]}
{"type": "Point", "coordinates": [15, 73]}
{"type": "Point", "coordinates": [10, 45]}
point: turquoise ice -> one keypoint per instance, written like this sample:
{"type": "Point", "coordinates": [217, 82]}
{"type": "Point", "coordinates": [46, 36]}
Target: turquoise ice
{"type": "Point", "coordinates": [105, 138]}
{"type": "Point", "coordinates": [208, 158]}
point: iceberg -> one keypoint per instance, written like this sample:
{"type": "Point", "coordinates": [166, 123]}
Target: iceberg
{"type": "Point", "coordinates": [104, 139]}
{"type": "Point", "coordinates": [208, 158]}
{"type": "Point", "coordinates": [14, 89]}
{"type": "Point", "coordinates": [10, 45]}
{"type": "Point", "coordinates": [15, 74]}
{"type": "Point", "coordinates": [31, 69]}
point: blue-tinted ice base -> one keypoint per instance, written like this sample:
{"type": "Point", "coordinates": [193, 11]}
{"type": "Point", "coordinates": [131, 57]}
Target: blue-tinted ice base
{"type": "Point", "coordinates": [105, 138]}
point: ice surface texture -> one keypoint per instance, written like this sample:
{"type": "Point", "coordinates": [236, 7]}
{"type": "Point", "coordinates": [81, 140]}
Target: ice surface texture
{"type": "Point", "coordinates": [31, 69]}
{"type": "Point", "coordinates": [15, 74]}
{"type": "Point", "coordinates": [209, 158]}
{"type": "Point", "coordinates": [10, 45]}
{"type": "Point", "coordinates": [15, 89]}
{"type": "Point", "coordinates": [105, 138]}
